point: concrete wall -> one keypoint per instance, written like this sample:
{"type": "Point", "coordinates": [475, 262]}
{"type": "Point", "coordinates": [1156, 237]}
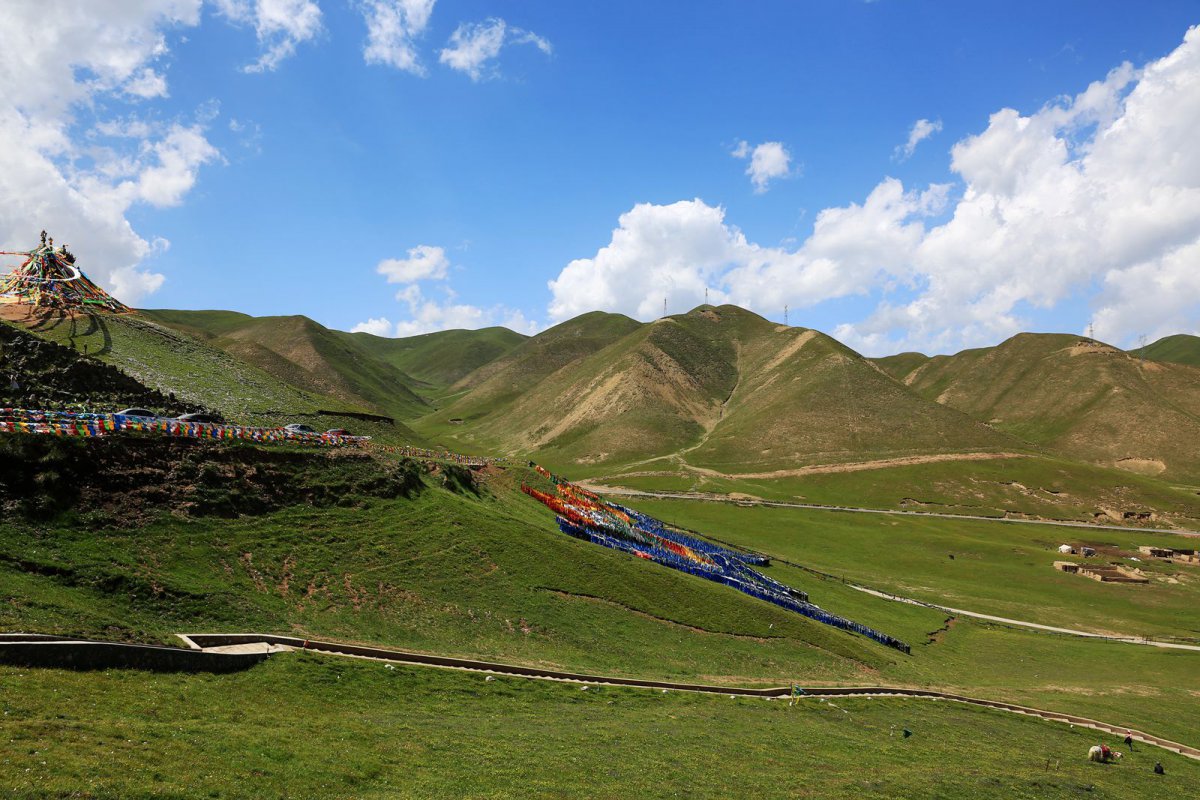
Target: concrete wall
{"type": "Point", "coordinates": [35, 651]}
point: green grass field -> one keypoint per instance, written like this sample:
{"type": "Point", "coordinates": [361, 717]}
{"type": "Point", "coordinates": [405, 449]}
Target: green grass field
{"type": "Point", "coordinates": [1001, 569]}
{"type": "Point", "coordinates": [1029, 487]}
{"type": "Point", "coordinates": [443, 572]}
{"type": "Point", "coordinates": [311, 726]}
{"type": "Point", "coordinates": [490, 576]}
{"type": "Point", "coordinates": [177, 363]}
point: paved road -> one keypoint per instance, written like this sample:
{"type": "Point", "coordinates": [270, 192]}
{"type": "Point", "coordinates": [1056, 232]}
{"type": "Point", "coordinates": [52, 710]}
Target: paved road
{"type": "Point", "coordinates": [619, 491]}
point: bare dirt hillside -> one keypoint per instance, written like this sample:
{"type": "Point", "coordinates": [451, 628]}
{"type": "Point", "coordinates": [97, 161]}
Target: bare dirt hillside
{"type": "Point", "coordinates": [1078, 397]}
{"type": "Point", "coordinates": [719, 387]}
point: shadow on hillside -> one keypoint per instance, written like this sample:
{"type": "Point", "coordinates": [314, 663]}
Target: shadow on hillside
{"type": "Point", "coordinates": [95, 323]}
{"type": "Point", "coordinates": [49, 319]}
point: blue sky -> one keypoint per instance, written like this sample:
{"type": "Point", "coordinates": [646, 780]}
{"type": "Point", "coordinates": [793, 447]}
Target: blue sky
{"type": "Point", "coordinates": [288, 187]}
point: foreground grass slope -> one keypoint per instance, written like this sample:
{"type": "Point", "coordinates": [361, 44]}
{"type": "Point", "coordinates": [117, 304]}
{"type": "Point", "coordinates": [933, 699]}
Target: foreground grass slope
{"type": "Point", "coordinates": [431, 733]}
{"type": "Point", "coordinates": [446, 570]}
{"type": "Point", "coordinates": [485, 575]}
{"type": "Point", "coordinates": [1006, 570]}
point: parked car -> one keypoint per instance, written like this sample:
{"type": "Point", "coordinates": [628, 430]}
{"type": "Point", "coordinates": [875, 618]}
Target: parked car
{"type": "Point", "coordinates": [297, 427]}
{"type": "Point", "coordinates": [138, 412]}
{"type": "Point", "coordinates": [202, 416]}
{"type": "Point", "coordinates": [338, 432]}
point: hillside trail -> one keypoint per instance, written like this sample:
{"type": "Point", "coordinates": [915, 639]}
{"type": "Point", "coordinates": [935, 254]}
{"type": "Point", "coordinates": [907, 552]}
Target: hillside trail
{"type": "Point", "coordinates": [813, 469]}
{"type": "Point", "coordinates": [679, 457]}
{"type": "Point", "coordinates": [1024, 623]}
{"type": "Point", "coordinates": [258, 643]}
{"type": "Point", "coordinates": [744, 500]}
{"type": "Point", "coordinates": [710, 425]}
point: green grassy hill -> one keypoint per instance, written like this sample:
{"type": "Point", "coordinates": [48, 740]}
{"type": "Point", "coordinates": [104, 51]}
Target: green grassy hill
{"type": "Point", "coordinates": [305, 354]}
{"type": "Point", "coordinates": [1077, 397]}
{"type": "Point", "coordinates": [473, 568]}
{"type": "Point", "coordinates": [136, 538]}
{"type": "Point", "coordinates": [900, 364]}
{"type": "Point", "coordinates": [439, 360]}
{"type": "Point", "coordinates": [483, 395]}
{"type": "Point", "coordinates": [196, 373]}
{"type": "Point", "coordinates": [1182, 348]}
{"type": "Point", "coordinates": [477, 569]}
{"type": "Point", "coordinates": [804, 398]}
{"type": "Point", "coordinates": [718, 388]}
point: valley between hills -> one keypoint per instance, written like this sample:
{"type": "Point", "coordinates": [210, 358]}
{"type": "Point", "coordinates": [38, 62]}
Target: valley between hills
{"type": "Point", "coordinates": [728, 428]}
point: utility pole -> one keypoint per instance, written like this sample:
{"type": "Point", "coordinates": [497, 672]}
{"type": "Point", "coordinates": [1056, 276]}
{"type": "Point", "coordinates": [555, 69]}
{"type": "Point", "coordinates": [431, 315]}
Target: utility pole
{"type": "Point", "coordinates": [785, 310]}
{"type": "Point", "coordinates": [664, 306]}
{"type": "Point", "coordinates": [705, 295]}
{"type": "Point", "coordinates": [1091, 331]}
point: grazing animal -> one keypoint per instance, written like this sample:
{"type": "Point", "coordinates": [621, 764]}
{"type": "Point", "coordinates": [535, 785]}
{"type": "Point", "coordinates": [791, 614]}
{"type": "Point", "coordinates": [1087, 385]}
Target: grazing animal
{"type": "Point", "coordinates": [1096, 753]}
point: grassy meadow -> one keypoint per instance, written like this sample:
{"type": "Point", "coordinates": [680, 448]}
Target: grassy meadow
{"type": "Point", "coordinates": [488, 575]}
{"type": "Point", "coordinates": [1025, 487]}
{"type": "Point", "coordinates": [177, 363]}
{"type": "Point", "coordinates": [992, 568]}
{"type": "Point", "coordinates": [305, 725]}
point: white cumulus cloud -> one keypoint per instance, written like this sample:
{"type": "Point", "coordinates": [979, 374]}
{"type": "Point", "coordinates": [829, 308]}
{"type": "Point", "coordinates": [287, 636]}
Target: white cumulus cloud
{"type": "Point", "coordinates": [427, 315]}
{"type": "Point", "coordinates": [1094, 197]}
{"type": "Point", "coordinates": [378, 326]}
{"type": "Point", "coordinates": [473, 45]}
{"type": "Point", "coordinates": [768, 161]}
{"type": "Point", "coordinates": [424, 262]}
{"type": "Point", "coordinates": [58, 61]}
{"type": "Point", "coordinates": [428, 264]}
{"type": "Point", "coordinates": [678, 251]}
{"type": "Point", "coordinates": [392, 28]}
{"type": "Point", "coordinates": [921, 130]}
{"type": "Point", "coordinates": [280, 25]}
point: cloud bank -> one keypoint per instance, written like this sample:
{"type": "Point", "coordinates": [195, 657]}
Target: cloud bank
{"type": "Point", "coordinates": [426, 264]}
{"type": "Point", "coordinates": [1096, 195]}
{"type": "Point", "coordinates": [58, 63]}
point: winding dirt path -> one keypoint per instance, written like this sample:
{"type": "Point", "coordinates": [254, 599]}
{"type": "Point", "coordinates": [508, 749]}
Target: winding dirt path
{"type": "Point", "coordinates": [1023, 623]}
{"type": "Point", "coordinates": [623, 491]}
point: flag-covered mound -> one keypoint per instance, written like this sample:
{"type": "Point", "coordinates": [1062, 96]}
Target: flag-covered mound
{"type": "Point", "coordinates": [86, 424]}
{"type": "Point", "coordinates": [48, 277]}
{"type": "Point", "coordinates": [587, 516]}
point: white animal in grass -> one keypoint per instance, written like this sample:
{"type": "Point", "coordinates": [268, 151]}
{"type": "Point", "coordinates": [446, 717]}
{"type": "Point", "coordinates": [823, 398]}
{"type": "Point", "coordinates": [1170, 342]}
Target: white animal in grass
{"type": "Point", "coordinates": [1096, 753]}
